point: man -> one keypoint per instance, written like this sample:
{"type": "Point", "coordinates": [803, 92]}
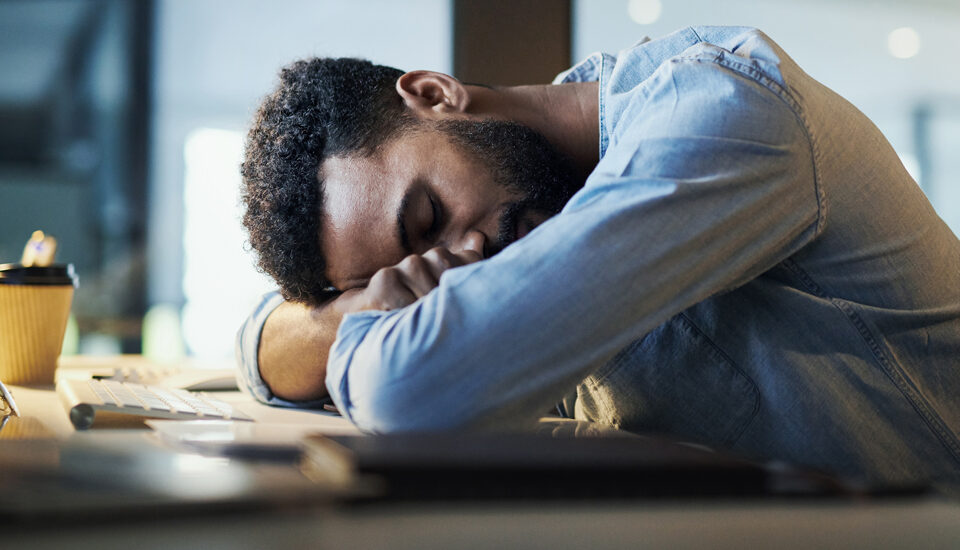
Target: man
{"type": "Point", "coordinates": [693, 238]}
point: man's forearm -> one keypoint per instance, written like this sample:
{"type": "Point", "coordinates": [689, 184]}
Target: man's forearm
{"type": "Point", "coordinates": [293, 350]}
{"type": "Point", "coordinates": [296, 339]}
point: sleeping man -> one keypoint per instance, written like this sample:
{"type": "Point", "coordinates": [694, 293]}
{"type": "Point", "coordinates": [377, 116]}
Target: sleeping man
{"type": "Point", "coordinates": [692, 238]}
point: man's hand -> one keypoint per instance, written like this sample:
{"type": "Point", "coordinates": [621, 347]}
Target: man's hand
{"type": "Point", "coordinates": [400, 285]}
{"type": "Point", "coordinates": [296, 338]}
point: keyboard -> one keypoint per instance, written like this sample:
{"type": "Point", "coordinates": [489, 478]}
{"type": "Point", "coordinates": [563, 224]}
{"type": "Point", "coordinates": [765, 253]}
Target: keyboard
{"type": "Point", "coordinates": [84, 398]}
{"type": "Point", "coordinates": [172, 376]}
{"type": "Point", "coordinates": [141, 374]}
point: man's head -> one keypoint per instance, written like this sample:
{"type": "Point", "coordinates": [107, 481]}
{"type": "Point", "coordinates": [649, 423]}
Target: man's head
{"type": "Point", "coordinates": [351, 166]}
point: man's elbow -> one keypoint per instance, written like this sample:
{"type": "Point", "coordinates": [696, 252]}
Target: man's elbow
{"type": "Point", "coordinates": [409, 408]}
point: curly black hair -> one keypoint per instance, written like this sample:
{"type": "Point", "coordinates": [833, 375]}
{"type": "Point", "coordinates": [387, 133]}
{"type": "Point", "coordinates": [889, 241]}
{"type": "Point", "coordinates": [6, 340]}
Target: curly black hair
{"type": "Point", "coordinates": [322, 107]}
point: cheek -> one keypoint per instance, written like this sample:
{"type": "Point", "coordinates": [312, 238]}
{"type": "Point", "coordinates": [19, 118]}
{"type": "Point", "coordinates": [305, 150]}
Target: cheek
{"type": "Point", "coordinates": [477, 190]}
{"type": "Point", "coordinates": [355, 254]}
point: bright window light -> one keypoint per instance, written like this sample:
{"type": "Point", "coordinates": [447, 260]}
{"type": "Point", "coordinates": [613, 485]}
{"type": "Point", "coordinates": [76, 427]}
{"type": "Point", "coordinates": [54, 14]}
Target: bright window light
{"type": "Point", "coordinates": [644, 12]}
{"type": "Point", "coordinates": [912, 165]}
{"type": "Point", "coordinates": [903, 43]}
{"type": "Point", "coordinates": [220, 282]}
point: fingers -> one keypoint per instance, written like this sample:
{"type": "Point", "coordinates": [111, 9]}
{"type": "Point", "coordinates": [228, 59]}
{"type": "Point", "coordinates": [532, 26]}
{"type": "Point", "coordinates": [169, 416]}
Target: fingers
{"type": "Point", "coordinates": [400, 285]}
{"type": "Point", "coordinates": [421, 273]}
{"type": "Point", "coordinates": [414, 277]}
{"type": "Point", "coordinates": [418, 274]}
{"type": "Point", "coordinates": [440, 259]}
{"type": "Point", "coordinates": [387, 290]}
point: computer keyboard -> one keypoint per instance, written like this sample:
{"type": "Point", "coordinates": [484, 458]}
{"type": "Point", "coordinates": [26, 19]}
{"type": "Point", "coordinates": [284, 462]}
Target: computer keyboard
{"type": "Point", "coordinates": [142, 374]}
{"type": "Point", "coordinates": [84, 398]}
{"type": "Point", "coordinates": [173, 376]}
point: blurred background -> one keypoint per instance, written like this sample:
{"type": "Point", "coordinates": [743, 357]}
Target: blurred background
{"type": "Point", "coordinates": [122, 121]}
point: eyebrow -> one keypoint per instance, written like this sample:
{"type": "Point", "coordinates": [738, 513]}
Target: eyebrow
{"type": "Point", "coordinates": [402, 222]}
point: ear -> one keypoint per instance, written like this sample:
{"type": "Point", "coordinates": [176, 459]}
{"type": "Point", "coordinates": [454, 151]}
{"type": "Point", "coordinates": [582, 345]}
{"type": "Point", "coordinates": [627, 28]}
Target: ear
{"type": "Point", "coordinates": [430, 94]}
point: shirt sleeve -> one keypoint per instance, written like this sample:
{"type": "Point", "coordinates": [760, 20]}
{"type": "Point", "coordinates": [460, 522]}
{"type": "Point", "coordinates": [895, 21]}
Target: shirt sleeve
{"type": "Point", "coordinates": [247, 345]}
{"type": "Point", "coordinates": [708, 181]}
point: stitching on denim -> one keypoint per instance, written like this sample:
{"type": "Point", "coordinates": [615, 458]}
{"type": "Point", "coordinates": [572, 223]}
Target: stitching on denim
{"type": "Point", "coordinates": [602, 81]}
{"type": "Point", "coordinates": [621, 360]}
{"type": "Point", "coordinates": [795, 107]}
{"type": "Point", "coordinates": [805, 279]}
{"type": "Point", "coordinates": [581, 72]}
{"type": "Point", "coordinates": [892, 370]}
{"type": "Point", "coordinates": [729, 360]}
{"type": "Point", "coordinates": [695, 33]}
{"type": "Point", "coordinates": [889, 368]}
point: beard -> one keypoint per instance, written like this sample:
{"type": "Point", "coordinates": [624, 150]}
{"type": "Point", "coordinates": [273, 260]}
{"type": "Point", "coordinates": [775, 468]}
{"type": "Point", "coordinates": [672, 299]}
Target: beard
{"type": "Point", "coordinates": [521, 160]}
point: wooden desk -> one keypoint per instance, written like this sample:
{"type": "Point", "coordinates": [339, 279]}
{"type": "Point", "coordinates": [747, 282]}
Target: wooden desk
{"type": "Point", "coordinates": [178, 499]}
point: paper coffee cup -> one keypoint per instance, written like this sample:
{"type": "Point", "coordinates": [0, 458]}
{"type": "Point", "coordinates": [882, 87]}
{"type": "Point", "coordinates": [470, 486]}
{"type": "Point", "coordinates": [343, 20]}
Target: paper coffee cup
{"type": "Point", "coordinates": [34, 307]}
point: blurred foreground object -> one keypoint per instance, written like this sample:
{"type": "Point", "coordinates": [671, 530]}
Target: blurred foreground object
{"type": "Point", "coordinates": [40, 250]}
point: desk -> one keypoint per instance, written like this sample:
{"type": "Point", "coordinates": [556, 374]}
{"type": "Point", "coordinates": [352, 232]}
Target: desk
{"type": "Point", "coordinates": [216, 503]}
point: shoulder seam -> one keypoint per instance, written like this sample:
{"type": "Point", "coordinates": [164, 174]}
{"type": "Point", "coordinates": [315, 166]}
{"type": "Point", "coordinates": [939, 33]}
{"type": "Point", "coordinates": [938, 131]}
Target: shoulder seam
{"type": "Point", "coordinates": [755, 75]}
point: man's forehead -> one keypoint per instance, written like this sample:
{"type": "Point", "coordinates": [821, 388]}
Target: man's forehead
{"type": "Point", "coordinates": [351, 185]}
{"type": "Point", "coordinates": [358, 203]}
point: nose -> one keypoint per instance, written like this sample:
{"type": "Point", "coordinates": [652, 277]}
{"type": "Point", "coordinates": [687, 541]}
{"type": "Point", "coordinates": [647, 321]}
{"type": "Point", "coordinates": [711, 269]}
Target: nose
{"type": "Point", "coordinates": [472, 240]}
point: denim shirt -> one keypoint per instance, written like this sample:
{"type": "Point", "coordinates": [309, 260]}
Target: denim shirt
{"type": "Point", "coordinates": [749, 267]}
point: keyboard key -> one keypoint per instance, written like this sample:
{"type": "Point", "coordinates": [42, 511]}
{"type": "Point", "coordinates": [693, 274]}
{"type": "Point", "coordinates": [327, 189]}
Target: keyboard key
{"type": "Point", "coordinates": [123, 396]}
{"type": "Point", "coordinates": [174, 402]}
{"type": "Point", "coordinates": [105, 396]}
{"type": "Point", "coordinates": [147, 397]}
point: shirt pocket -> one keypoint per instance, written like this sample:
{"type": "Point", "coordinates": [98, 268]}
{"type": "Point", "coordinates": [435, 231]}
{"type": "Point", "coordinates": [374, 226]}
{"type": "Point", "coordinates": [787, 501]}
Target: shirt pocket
{"type": "Point", "coordinates": [675, 382]}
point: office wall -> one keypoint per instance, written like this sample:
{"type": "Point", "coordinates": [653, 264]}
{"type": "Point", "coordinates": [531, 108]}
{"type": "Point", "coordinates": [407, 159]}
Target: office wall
{"type": "Point", "coordinates": [73, 94]}
{"type": "Point", "coordinates": [214, 60]}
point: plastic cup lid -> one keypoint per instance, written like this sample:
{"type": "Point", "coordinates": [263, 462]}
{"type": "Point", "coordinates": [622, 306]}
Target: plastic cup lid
{"type": "Point", "coordinates": [57, 274]}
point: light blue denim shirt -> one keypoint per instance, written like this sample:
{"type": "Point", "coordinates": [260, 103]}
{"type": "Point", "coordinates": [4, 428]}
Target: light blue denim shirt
{"type": "Point", "coordinates": [749, 267]}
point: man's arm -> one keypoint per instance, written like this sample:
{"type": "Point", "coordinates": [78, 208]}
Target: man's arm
{"type": "Point", "coordinates": [290, 355]}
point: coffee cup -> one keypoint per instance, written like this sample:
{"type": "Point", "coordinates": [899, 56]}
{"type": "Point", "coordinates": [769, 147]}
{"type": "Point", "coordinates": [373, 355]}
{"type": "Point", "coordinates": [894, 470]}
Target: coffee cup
{"type": "Point", "coordinates": [34, 308]}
